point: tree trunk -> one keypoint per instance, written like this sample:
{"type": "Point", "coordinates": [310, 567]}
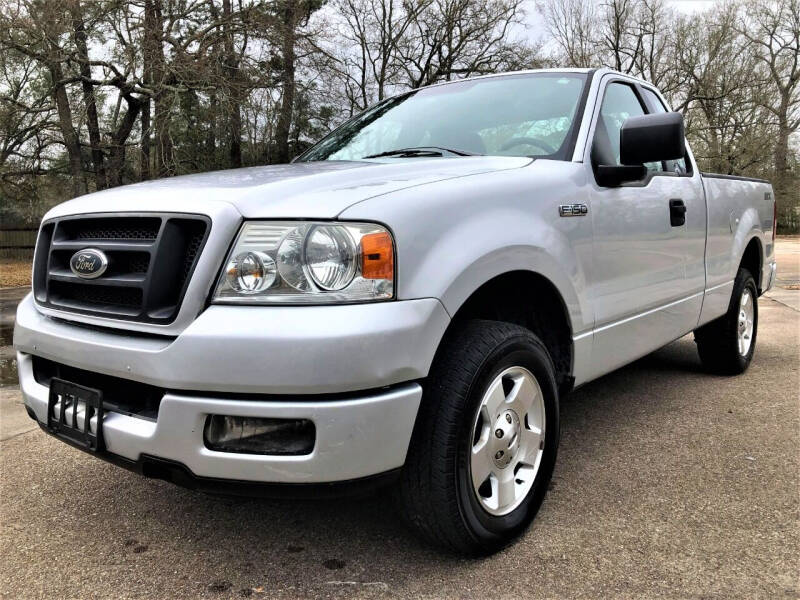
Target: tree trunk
{"type": "Point", "coordinates": [211, 132]}
{"type": "Point", "coordinates": [88, 95]}
{"type": "Point", "coordinates": [230, 68]}
{"type": "Point", "coordinates": [283, 129]}
{"type": "Point", "coordinates": [147, 78]}
{"type": "Point", "coordinates": [782, 147]}
{"type": "Point", "coordinates": [117, 158]}
{"type": "Point", "coordinates": [154, 58]}
{"type": "Point", "coordinates": [71, 140]}
{"type": "Point", "coordinates": [164, 151]}
{"type": "Point", "coordinates": [144, 152]}
{"type": "Point", "coordinates": [236, 134]}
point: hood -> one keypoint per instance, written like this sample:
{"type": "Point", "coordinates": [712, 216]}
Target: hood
{"type": "Point", "coordinates": [298, 190]}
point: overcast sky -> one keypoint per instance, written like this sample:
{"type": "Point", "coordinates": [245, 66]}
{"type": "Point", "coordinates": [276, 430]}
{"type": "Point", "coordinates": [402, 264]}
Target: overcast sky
{"type": "Point", "coordinates": [691, 5]}
{"type": "Point", "coordinates": [536, 25]}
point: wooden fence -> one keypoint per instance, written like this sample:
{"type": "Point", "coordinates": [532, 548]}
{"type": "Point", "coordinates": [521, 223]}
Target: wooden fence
{"type": "Point", "coordinates": [17, 242]}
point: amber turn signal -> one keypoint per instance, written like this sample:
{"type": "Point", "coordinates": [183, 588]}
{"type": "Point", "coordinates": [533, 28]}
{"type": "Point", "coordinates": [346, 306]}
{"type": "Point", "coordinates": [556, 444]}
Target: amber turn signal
{"type": "Point", "coordinates": [377, 256]}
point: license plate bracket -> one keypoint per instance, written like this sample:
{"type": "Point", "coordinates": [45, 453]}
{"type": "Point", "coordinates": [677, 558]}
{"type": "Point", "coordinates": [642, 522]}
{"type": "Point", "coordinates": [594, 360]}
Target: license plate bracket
{"type": "Point", "coordinates": [71, 410]}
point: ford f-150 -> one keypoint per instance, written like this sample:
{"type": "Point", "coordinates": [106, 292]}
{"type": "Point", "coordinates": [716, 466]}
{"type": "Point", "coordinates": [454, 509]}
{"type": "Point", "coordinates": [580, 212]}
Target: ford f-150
{"type": "Point", "coordinates": [404, 303]}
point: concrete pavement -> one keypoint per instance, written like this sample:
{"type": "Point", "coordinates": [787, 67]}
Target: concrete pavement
{"type": "Point", "coordinates": [787, 281]}
{"type": "Point", "coordinates": [670, 483]}
{"type": "Point", "coordinates": [9, 298]}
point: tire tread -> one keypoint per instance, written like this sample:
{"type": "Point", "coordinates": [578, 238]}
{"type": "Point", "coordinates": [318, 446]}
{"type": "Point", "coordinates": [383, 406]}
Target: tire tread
{"type": "Point", "coordinates": [717, 341]}
{"type": "Point", "coordinates": [426, 494]}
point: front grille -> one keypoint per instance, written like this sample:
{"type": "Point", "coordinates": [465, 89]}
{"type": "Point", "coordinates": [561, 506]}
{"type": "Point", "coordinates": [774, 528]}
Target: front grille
{"type": "Point", "coordinates": [150, 261]}
{"type": "Point", "coordinates": [77, 295]}
{"type": "Point", "coordinates": [119, 395]}
{"type": "Point", "coordinates": [121, 228]}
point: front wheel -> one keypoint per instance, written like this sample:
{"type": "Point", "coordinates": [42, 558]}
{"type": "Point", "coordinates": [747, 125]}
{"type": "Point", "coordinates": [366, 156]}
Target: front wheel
{"type": "Point", "coordinates": [485, 441]}
{"type": "Point", "coordinates": [726, 345]}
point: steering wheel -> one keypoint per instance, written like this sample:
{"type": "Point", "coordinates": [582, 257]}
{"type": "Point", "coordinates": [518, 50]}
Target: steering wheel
{"type": "Point", "coordinates": [530, 142]}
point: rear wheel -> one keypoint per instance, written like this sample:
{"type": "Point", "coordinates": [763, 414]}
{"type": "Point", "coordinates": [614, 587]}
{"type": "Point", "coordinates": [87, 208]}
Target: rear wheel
{"type": "Point", "coordinates": [726, 345]}
{"type": "Point", "coordinates": [485, 441]}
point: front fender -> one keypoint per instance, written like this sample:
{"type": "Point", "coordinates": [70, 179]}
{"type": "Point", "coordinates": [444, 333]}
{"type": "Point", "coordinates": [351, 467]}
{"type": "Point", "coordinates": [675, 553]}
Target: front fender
{"type": "Point", "coordinates": [489, 256]}
{"type": "Point", "coordinates": [454, 236]}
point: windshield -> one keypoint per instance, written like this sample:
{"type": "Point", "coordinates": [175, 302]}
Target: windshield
{"type": "Point", "coordinates": [514, 115]}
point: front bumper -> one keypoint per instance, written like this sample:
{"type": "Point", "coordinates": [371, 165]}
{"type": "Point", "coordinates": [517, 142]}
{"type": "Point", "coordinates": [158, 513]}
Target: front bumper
{"type": "Point", "coordinates": [254, 349]}
{"type": "Point", "coordinates": [356, 437]}
{"type": "Point", "coordinates": [361, 357]}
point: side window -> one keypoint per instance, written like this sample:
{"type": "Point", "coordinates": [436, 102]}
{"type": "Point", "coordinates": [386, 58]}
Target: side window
{"type": "Point", "coordinates": [656, 106]}
{"type": "Point", "coordinates": [619, 103]}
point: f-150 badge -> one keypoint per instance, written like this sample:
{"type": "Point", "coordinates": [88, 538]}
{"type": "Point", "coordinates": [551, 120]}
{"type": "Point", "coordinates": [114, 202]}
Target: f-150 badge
{"type": "Point", "coordinates": [572, 210]}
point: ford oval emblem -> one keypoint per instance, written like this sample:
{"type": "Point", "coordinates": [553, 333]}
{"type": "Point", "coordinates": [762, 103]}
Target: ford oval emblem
{"type": "Point", "coordinates": [88, 263]}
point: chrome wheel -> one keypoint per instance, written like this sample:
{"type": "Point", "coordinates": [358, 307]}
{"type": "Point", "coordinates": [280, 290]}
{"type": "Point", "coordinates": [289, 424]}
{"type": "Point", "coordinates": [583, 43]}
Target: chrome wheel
{"type": "Point", "coordinates": [507, 441]}
{"type": "Point", "coordinates": [745, 322]}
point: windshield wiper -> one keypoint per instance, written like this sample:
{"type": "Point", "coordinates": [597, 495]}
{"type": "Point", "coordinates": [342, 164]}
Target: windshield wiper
{"type": "Point", "coordinates": [422, 151]}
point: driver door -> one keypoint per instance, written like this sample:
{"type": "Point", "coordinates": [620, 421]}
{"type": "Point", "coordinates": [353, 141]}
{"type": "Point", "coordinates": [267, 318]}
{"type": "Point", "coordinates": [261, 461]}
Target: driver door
{"type": "Point", "coordinates": [639, 289]}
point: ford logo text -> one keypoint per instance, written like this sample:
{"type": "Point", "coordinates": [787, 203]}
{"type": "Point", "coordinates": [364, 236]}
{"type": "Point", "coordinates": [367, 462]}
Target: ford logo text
{"type": "Point", "coordinates": [88, 263]}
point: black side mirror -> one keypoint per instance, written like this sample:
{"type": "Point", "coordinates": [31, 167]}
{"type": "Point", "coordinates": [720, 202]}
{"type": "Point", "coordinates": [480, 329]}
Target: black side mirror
{"type": "Point", "coordinates": [652, 138]}
{"type": "Point", "coordinates": [643, 139]}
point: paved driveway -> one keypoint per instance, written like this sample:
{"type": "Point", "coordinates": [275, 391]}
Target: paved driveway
{"type": "Point", "coordinates": [670, 483]}
{"type": "Point", "coordinates": [787, 282]}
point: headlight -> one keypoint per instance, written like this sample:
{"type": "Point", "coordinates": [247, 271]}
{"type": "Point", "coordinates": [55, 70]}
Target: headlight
{"type": "Point", "coordinates": [331, 257]}
{"type": "Point", "coordinates": [308, 263]}
{"type": "Point", "coordinates": [251, 272]}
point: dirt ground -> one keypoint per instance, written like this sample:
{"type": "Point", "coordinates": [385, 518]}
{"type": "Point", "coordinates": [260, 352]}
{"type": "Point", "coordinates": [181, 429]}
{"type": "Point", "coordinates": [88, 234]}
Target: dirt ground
{"type": "Point", "coordinates": [14, 272]}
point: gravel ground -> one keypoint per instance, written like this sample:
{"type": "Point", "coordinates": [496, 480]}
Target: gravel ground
{"type": "Point", "coordinates": [670, 483]}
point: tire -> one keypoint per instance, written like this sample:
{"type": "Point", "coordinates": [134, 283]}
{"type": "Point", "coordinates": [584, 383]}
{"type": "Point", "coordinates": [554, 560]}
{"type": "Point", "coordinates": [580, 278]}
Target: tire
{"type": "Point", "coordinates": [721, 347]}
{"type": "Point", "coordinates": [436, 494]}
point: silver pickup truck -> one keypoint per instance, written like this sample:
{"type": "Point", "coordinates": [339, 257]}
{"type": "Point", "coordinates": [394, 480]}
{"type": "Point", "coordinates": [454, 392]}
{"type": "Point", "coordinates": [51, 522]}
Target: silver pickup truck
{"type": "Point", "coordinates": [406, 302]}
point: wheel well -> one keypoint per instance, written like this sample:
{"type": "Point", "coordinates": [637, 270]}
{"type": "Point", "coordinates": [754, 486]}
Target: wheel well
{"type": "Point", "coordinates": [751, 260]}
{"type": "Point", "coordinates": [531, 301]}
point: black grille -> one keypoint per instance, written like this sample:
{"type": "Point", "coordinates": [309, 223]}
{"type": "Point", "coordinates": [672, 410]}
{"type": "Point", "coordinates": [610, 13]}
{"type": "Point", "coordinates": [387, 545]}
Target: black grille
{"type": "Point", "coordinates": [192, 250]}
{"type": "Point", "coordinates": [119, 395]}
{"type": "Point", "coordinates": [150, 261]}
{"type": "Point", "coordinates": [64, 293]}
{"type": "Point", "coordinates": [122, 228]}
{"type": "Point", "coordinates": [132, 262]}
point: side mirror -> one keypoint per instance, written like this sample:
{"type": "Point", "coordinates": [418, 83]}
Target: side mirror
{"type": "Point", "coordinates": [652, 138]}
{"type": "Point", "coordinates": [643, 139]}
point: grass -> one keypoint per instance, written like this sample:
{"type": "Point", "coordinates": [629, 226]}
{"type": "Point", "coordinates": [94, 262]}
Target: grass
{"type": "Point", "coordinates": [15, 272]}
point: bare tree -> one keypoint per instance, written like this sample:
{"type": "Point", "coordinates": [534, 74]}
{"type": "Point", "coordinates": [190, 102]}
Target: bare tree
{"type": "Point", "coordinates": [773, 29]}
{"type": "Point", "coordinates": [36, 29]}
{"type": "Point", "coordinates": [368, 44]}
{"type": "Point", "coordinates": [571, 26]}
{"type": "Point", "coordinates": [231, 78]}
{"type": "Point", "coordinates": [96, 94]}
{"type": "Point", "coordinates": [92, 123]}
{"type": "Point", "coordinates": [458, 38]}
{"type": "Point", "coordinates": [27, 118]}
{"type": "Point", "coordinates": [291, 16]}
{"type": "Point", "coordinates": [156, 80]}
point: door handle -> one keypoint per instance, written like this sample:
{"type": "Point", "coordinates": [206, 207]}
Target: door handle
{"type": "Point", "coordinates": [677, 213]}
